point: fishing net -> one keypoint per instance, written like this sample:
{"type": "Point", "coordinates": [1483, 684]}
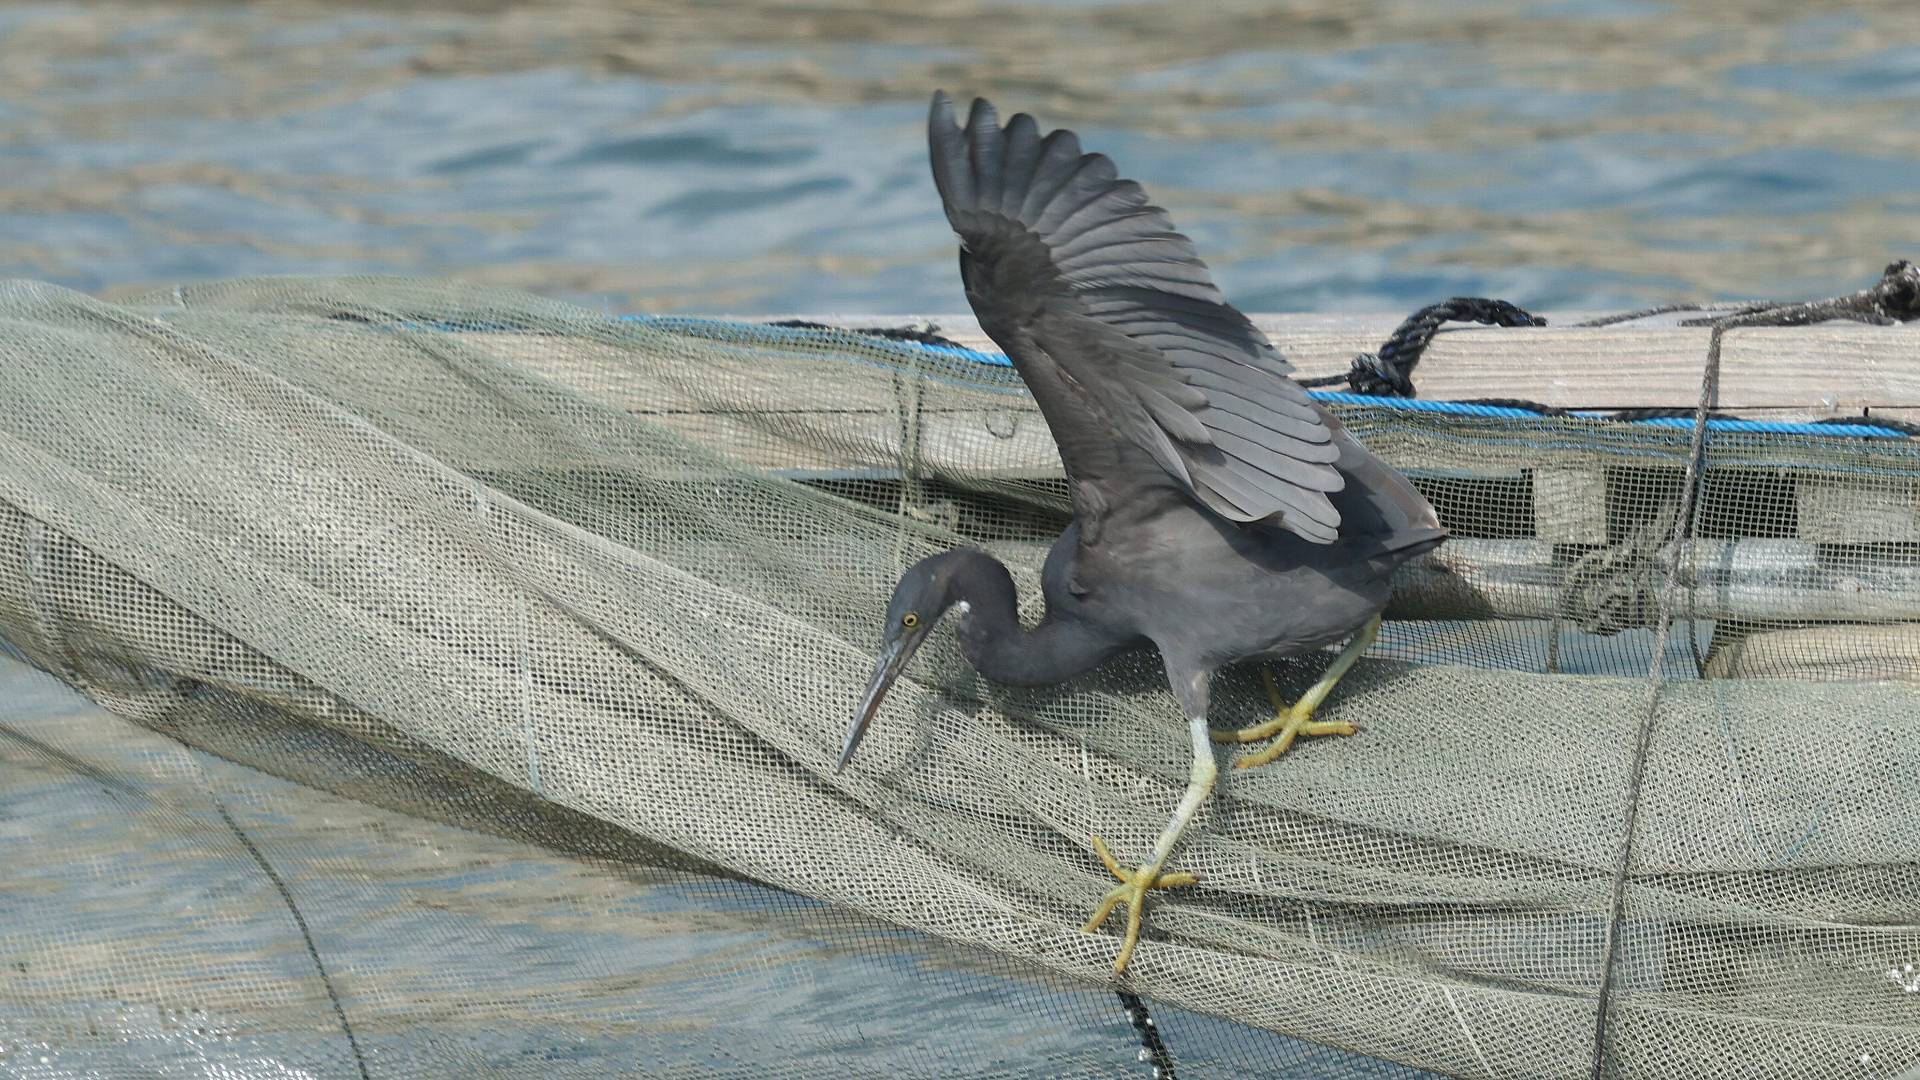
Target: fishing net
{"type": "Point", "coordinates": [477, 666]}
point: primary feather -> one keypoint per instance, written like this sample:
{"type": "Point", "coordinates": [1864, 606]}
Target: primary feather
{"type": "Point", "coordinates": [1112, 319]}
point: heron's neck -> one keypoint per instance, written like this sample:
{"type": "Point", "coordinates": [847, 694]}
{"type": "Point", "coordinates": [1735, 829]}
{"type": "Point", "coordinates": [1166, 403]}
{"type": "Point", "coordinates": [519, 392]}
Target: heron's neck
{"type": "Point", "coordinates": [992, 639]}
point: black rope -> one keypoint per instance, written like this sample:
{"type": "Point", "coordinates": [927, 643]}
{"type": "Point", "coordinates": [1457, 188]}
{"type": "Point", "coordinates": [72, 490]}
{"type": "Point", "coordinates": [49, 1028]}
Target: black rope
{"type": "Point", "coordinates": [1152, 1047]}
{"type": "Point", "coordinates": [1894, 298]}
{"type": "Point", "coordinates": [1388, 371]}
{"type": "Point", "coordinates": [1519, 403]}
{"type": "Point", "coordinates": [919, 335]}
{"type": "Point", "coordinates": [1636, 316]}
{"type": "Point", "coordinates": [1649, 413]}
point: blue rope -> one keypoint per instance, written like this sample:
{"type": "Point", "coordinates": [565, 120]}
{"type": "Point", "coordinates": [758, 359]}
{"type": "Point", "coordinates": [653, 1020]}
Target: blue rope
{"type": "Point", "coordinates": [1457, 408]}
{"type": "Point", "coordinates": [1775, 427]}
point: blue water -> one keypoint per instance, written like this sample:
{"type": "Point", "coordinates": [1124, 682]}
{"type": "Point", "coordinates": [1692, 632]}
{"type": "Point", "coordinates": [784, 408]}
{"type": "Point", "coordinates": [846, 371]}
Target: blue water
{"type": "Point", "coordinates": [721, 158]}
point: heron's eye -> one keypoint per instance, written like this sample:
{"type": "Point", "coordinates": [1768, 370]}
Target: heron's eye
{"type": "Point", "coordinates": [910, 620]}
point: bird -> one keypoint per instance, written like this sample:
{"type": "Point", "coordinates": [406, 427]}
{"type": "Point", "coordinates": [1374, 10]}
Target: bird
{"type": "Point", "coordinates": [1220, 514]}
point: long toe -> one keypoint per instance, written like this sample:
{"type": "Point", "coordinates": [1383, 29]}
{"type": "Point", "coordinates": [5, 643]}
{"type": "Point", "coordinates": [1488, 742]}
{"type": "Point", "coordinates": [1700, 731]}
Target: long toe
{"type": "Point", "coordinates": [1133, 894]}
{"type": "Point", "coordinates": [1250, 733]}
{"type": "Point", "coordinates": [1300, 723]}
{"type": "Point", "coordinates": [1136, 905]}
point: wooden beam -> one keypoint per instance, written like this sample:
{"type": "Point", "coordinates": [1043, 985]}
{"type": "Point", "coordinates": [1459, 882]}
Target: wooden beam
{"type": "Point", "coordinates": [791, 420]}
{"type": "Point", "coordinates": [1812, 372]}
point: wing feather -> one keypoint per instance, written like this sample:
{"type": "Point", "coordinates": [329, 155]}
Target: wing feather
{"type": "Point", "coordinates": [1146, 375]}
{"type": "Point", "coordinates": [1091, 179]}
{"type": "Point", "coordinates": [986, 147]}
{"type": "Point", "coordinates": [1023, 157]}
{"type": "Point", "coordinates": [1059, 154]}
{"type": "Point", "coordinates": [1225, 419]}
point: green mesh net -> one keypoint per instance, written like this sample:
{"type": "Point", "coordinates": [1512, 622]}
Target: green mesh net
{"type": "Point", "coordinates": [476, 667]}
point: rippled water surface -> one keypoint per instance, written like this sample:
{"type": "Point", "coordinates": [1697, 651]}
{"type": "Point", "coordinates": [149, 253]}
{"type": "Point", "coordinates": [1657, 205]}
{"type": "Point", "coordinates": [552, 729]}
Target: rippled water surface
{"type": "Point", "coordinates": [735, 157]}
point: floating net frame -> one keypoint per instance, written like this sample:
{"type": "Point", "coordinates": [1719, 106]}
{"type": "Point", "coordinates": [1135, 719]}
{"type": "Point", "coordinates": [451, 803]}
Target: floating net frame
{"type": "Point", "coordinates": [606, 585]}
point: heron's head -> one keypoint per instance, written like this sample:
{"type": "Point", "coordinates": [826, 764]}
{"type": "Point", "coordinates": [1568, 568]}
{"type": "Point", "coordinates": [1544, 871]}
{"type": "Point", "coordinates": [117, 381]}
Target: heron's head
{"type": "Point", "coordinates": [927, 591]}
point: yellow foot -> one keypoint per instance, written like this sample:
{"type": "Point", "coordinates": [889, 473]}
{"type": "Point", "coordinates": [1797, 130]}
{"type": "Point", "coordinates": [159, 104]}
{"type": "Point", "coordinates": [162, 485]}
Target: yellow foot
{"type": "Point", "coordinates": [1289, 723]}
{"type": "Point", "coordinates": [1132, 891]}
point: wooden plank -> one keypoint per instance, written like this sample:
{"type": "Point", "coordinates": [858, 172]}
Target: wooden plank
{"type": "Point", "coordinates": [1813, 371]}
{"type": "Point", "coordinates": [976, 443]}
{"type": "Point", "coordinates": [723, 380]}
{"type": "Point", "coordinates": [793, 415]}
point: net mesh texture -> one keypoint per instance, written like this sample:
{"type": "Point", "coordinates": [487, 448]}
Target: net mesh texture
{"type": "Point", "coordinates": [477, 664]}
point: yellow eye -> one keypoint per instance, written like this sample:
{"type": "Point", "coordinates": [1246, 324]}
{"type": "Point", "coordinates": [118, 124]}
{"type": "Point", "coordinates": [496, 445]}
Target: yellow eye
{"type": "Point", "coordinates": [910, 620]}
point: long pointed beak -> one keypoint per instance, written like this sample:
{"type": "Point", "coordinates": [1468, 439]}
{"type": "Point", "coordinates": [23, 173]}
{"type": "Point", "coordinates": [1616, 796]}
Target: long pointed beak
{"type": "Point", "coordinates": [893, 660]}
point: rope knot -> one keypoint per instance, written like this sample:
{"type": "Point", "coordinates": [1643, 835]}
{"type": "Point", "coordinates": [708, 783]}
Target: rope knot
{"type": "Point", "coordinates": [1389, 372]}
{"type": "Point", "coordinates": [1375, 376]}
{"type": "Point", "coordinates": [1898, 292]}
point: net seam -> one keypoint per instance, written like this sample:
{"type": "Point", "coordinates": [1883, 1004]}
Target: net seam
{"type": "Point", "coordinates": [1643, 739]}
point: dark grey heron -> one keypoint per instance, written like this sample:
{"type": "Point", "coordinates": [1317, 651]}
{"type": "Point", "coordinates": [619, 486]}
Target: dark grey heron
{"type": "Point", "coordinates": [1219, 513]}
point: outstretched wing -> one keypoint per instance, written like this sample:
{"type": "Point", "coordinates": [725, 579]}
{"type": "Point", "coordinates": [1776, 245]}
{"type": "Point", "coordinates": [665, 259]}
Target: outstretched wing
{"type": "Point", "coordinates": [1146, 375]}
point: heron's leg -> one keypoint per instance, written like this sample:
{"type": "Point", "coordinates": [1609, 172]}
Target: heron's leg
{"type": "Point", "coordinates": [1132, 890]}
{"type": "Point", "coordinates": [1292, 721]}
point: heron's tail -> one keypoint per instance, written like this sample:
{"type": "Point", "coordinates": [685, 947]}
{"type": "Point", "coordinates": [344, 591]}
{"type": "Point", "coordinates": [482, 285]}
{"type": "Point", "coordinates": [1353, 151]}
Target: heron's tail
{"type": "Point", "coordinates": [1380, 509]}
